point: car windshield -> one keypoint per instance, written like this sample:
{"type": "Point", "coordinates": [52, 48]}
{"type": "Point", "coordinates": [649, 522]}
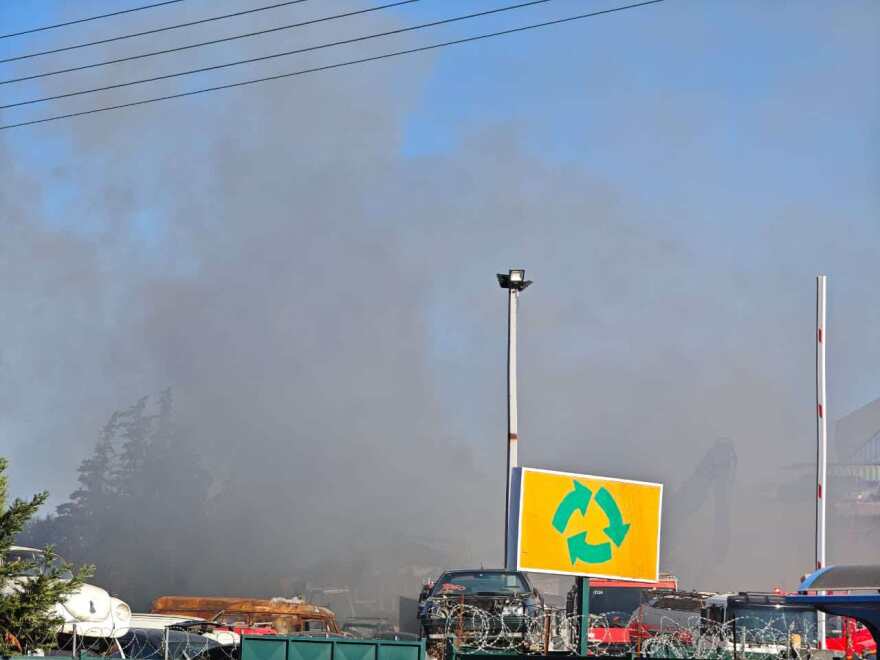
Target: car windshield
{"type": "Point", "coordinates": [615, 599]}
{"type": "Point", "coordinates": [774, 621]}
{"type": "Point", "coordinates": [37, 564]}
{"type": "Point", "coordinates": [363, 630]}
{"type": "Point", "coordinates": [479, 582]}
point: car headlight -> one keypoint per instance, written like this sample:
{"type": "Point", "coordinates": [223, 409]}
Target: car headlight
{"type": "Point", "coordinates": [121, 611]}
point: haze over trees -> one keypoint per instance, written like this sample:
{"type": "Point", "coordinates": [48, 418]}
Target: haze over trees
{"type": "Point", "coordinates": [157, 513]}
{"type": "Point", "coordinates": [139, 507]}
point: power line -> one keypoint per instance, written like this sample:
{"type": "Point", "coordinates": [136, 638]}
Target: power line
{"type": "Point", "coordinates": [263, 58]}
{"type": "Point", "coordinates": [90, 18]}
{"type": "Point", "coordinates": [207, 43]}
{"type": "Point", "coordinates": [328, 67]}
{"type": "Point", "coordinates": [153, 31]}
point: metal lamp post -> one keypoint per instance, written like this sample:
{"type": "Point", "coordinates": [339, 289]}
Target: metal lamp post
{"type": "Point", "coordinates": [514, 281]}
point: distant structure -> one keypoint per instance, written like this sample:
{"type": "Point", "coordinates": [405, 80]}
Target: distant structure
{"type": "Point", "coordinates": [709, 486]}
{"type": "Point", "coordinates": [713, 477]}
{"type": "Point", "coordinates": [855, 464]}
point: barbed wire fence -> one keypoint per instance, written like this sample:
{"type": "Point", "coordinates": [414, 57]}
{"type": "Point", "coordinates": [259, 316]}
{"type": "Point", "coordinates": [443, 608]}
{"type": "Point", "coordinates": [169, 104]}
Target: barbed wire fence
{"type": "Point", "coordinates": [470, 629]}
{"type": "Point", "coordinates": [170, 643]}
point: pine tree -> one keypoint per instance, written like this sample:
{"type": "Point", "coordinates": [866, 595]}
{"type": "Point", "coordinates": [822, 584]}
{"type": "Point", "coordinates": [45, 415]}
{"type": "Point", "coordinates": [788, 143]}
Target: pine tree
{"type": "Point", "coordinates": [178, 498]}
{"type": "Point", "coordinates": [81, 522]}
{"type": "Point", "coordinates": [143, 462]}
{"type": "Point", "coordinates": [29, 588]}
{"type": "Point", "coordinates": [134, 424]}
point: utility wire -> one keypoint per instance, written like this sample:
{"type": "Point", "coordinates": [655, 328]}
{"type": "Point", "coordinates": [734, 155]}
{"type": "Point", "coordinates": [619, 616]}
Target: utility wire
{"type": "Point", "coordinates": [207, 43]}
{"type": "Point", "coordinates": [307, 49]}
{"type": "Point", "coordinates": [328, 67]}
{"type": "Point", "coordinates": [90, 18]}
{"type": "Point", "coordinates": [153, 31]}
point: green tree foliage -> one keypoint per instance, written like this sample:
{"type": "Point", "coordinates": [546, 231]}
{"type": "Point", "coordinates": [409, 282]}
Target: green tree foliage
{"type": "Point", "coordinates": [30, 588]}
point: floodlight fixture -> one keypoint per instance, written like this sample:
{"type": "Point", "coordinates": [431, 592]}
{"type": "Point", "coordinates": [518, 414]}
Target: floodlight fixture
{"type": "Point", "coordinates": [513, 279]}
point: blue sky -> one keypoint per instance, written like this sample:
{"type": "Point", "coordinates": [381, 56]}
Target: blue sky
{"type": "Point", "coordinates": [758, 104]}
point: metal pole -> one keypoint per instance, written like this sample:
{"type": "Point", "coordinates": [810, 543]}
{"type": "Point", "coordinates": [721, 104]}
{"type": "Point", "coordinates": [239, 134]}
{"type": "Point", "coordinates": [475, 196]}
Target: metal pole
{"type": "Point", "coordinates": [821, 436]}
{"type": "Point", "coordinates": [546, 632]}
{"type": "Point", "coordinates": [583, 610]}
{"type": "Point", "coordinates": [512, 438]}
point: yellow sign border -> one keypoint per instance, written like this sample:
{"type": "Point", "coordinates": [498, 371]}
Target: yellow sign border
{"type": "Point", "coordinates": [520, 471]}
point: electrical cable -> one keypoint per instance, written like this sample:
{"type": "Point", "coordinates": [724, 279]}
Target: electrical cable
{"type": "Point", "coordinates": [328, 67]}
{"type": "Point", "coordinates": [263, 58]}
{"type": "Point", "coordinates": [90, 18]}
{"type": "Point", "coordinates": [207, 43]}
{"type": "Point", "coordinates": [153, 31]}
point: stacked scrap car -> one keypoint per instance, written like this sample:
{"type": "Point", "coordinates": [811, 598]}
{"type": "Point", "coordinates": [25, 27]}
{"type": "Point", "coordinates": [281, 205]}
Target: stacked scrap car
{"type": "Point", "coordinates": [252, 615]}
{"type": "Point", "coordinates": [479, 607]}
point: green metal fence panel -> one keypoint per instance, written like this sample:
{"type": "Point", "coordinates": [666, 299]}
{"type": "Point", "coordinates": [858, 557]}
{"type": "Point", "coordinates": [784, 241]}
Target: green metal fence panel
{"type": "Point", "coordinates": [309, 649]}
{"type": "Point", "coordinates": [355, 650]}
{"type": "Point", "coordinates": [396, 652]}
{"type": "Point", "coordinates": [265, 648]}
{"type": "Point", "coordinates": [276, 647]}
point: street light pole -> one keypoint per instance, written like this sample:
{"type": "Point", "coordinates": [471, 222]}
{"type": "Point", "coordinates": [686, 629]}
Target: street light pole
{"type": "Point", "coordinates": [512, 437]}
{"type": "Point", "coordinates": [514, 281]}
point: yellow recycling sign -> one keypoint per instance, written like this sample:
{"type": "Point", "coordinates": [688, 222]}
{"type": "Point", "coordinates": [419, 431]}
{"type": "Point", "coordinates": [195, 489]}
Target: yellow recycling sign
{"type": "Point", "coordinates": [579, 524]}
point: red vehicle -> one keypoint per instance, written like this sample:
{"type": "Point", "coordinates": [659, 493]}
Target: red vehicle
{"type": "Point", "coordinates": [612, 603]}
{"type": "Point", "coordinates": [850, 637]}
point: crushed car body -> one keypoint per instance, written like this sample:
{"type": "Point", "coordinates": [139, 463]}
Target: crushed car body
{"type": "Point", "coordinates": [252, 615]}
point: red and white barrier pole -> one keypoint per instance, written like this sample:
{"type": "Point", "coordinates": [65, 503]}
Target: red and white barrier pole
{"type": "Point", "coordinates": [821, 434]}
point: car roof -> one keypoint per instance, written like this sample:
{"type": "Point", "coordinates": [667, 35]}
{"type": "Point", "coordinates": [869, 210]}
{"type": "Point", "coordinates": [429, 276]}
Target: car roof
{"type": "Point", "coordinates": [842, 578]}
{"type": "Point", "coordinates": [159, 621]}
{"type": "Point", "coordinates": [681, 597]}
{"type": "Point", "coordinates": [481, 570]}
{"type": "Point", "coordinates": [748, 598]}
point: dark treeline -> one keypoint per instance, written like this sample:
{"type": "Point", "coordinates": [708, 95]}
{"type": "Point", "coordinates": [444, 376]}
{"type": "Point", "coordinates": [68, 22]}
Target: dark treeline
{"type": "Point", "coordinates": [139, 510]}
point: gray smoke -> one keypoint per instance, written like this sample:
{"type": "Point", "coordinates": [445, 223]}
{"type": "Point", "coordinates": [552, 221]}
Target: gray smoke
{"type": "Point", "coordinates": [323, 302]}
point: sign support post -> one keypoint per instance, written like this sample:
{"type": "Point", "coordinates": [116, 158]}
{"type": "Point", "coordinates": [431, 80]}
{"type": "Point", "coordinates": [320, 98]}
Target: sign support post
{"type": "Point", "coordinates": [583, 610]}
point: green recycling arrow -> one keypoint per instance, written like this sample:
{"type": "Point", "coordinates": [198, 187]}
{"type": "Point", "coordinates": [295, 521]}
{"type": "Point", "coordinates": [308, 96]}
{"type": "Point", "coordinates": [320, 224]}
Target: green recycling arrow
{"type": "Point", "coordinates": [592, 553]}
{"type": "Point", "coordinates": [617, 529]}
{"type": "Point", "coordinates": [576, 500]}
